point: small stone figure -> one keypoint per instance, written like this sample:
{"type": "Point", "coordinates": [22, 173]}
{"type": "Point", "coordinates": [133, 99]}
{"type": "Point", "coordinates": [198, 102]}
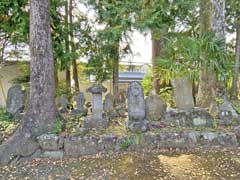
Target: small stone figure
{"type": "Point", "coordinates": [136, 108]}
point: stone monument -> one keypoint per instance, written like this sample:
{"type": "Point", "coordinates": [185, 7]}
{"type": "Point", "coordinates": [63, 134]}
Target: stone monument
{"type": "Point", "coordinates": [96, 120]}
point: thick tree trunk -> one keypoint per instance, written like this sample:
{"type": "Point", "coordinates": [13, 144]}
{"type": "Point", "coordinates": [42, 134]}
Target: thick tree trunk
{"type": "Point", "coordinates": [115, 73]}
{"type": "Point", "coordinates": [237, 64]}
{"type": "Point", "coordinates": [212, 20]}
{"type": "Point", "coordinates": [42, 113]}
{"type": "Point", "coordinates": [73, 49]}
{"type": "Point", "coordinates": [157, 52]}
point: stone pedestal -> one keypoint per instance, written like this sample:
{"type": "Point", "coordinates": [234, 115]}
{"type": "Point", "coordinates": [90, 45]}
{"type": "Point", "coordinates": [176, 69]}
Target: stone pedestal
{"type": "Point", "coordinates": [96, 120]}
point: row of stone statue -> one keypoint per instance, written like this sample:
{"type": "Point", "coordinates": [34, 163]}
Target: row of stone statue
{"type": "Point", "coordinates": [139, 110]}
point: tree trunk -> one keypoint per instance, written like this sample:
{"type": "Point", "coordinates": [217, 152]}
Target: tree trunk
{"type": "Point", "coordinates": [42, 113]}
{"type": "Point", "coordinates": [56, 77]}
{"type": "Point", "coordinates": [115, 73]}
{"type": "Point", "coordinates": [212, 20]}
{"type": "Point", "coordinates": [157, 52]}
{"type": "Point", "coordinates": [73, 49]}
{"type": "Point", "coordinates": [68, 71]}
{"type": "Point", "coordinates": [237, 64]}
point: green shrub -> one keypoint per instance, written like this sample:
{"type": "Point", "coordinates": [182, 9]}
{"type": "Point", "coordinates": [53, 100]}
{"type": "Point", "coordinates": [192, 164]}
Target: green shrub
{"type": "Point", "coordinates": [147, 83]}
{"type": "Point", "coordinates": [126, 143]}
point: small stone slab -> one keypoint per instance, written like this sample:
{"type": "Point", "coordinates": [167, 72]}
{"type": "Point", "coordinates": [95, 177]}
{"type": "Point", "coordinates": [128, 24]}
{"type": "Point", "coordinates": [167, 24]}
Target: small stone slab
{"type": "Point", "coordinates": [50, 142]}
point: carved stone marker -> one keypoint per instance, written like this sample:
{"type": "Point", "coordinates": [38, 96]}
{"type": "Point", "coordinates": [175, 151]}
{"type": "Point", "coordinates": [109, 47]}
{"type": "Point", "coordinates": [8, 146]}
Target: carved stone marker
{"type": "Point", "coordinates": [108, 106]}
{"type": "Point", "coordinates": [80, 104]}
{"type": "Point", "coordinates": [155, 108]}
{"type": "Point", "coordinates": [63, 103]}
{"type": "Point", "coordinates": [15, 100]}
{"type": "Point", "coordinates": [183, 93]}
{"type": "Point", "coordinates": [108, 103]}
{"type": "Point", "coordinates": [136, 108]}
{"type": "Point", "coordinates": [96, 120]}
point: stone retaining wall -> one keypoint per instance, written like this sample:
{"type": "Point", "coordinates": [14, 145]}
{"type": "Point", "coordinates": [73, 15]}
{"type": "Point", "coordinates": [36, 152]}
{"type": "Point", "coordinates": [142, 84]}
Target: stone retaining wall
{"type": "Point", "coordinates": [53, 146]}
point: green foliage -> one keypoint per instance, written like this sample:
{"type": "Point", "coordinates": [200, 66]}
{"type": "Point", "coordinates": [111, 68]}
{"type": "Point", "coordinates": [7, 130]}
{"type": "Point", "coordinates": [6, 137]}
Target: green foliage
{"type": "Point", "coordinates": [185, 55]}
{"type": "Point", "coordinates": [166, 94]}
{"type": "Point", "coordinates": [219, 100]}
{"type": "Point", "coordinates": [57, 128]}
{"type": "Point", "coordinates": [147, 82]}
{"type": "Point", "coordinates": [61, 89]}
{"type": "Point", "coordinates": [126, 143]}
{"type": "Point", "coordinates": [4, 116]}
{"type": "Point", "coordinates": [25, 73]}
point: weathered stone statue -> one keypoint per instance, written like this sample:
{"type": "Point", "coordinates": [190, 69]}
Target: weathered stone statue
{"type": "Point", "coordinates": [136, 108]}
{"type": "Point", "coordinates": [108, 103]}
{"type": "Point", "coordinates": [96, 120]}
{"type": "Point", "coordinates": [155, 108]}
{"type": "Point", "coordinates": [80, 104]}
{"type": "Point", "coordinates": [63, 103]}
{"type": "Point", "coordinates": [16, 100]}
{"type": "Point", "coordinates": [108, 106]}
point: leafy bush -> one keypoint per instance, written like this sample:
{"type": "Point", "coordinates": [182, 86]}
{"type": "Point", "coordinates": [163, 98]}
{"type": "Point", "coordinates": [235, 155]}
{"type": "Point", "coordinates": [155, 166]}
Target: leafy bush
{"type": "Point", "coordinates": [147, 83]}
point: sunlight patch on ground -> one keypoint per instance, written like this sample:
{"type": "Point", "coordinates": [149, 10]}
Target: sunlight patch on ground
{"type": "Point", "coordinates": [182, 166]}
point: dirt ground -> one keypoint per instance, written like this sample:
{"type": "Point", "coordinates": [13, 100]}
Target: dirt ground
{"type": "Point", "coordinates": [214, 165]}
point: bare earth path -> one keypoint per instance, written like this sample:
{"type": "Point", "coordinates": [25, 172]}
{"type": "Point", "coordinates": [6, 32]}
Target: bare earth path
{"type": "Point", "coordinates": [214, 165]}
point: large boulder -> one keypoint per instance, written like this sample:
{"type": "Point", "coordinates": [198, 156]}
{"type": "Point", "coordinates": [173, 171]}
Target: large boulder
{"type": "Point", "coordinates": [136, 108]}
{"type": "Point", "coordinates": [16, 100]}
{"type": "Point", "coordinates": [155, 107]}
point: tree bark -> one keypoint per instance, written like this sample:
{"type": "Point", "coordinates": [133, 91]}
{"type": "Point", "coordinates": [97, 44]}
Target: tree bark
{"type": "Point", "coordinates": [73, 49]}
{"type": "Point", "coordinates": [157, 52]}
{"type": "Point", "coordinates": [237, 64]}
{"type": "Point", "coordinates": [68, 71]}
{"type": "Point", "coordinates": [42, 113]}
{"type": "Point", "coordinates": [212, 20]}
{"type": "Point", "coordinates": [115, 73]}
